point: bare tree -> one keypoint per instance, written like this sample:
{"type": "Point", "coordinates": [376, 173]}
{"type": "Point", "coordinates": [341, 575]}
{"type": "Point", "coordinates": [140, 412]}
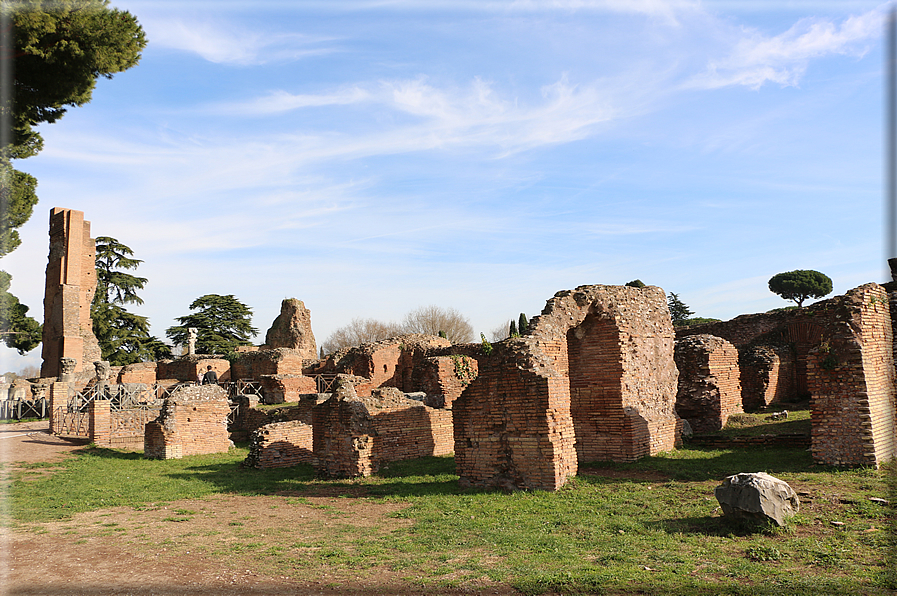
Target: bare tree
{"type": "Point", "coordinates": [360, 331]}
{"type": "Point", "coordinates": [433, 319]}
{"type": "Point", "coordinates": [501, 332]}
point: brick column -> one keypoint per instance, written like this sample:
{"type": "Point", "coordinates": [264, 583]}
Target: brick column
{"type": "Point", "coordinates": [100, 423]}
{"type": "Point", "coordinates": [58, 398]}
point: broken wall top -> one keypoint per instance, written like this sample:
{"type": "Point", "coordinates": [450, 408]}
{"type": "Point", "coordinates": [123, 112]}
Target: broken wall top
{"type": "Point", "coordinates": [836, 316]}
{"type": "Point", "coordinates": [292, 329]}
{"type": "Point", "coordinates": [636, 311]}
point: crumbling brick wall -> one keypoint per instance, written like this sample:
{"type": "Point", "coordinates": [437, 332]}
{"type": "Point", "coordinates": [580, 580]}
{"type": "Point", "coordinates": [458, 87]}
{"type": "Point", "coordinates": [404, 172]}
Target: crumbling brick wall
{"type": "Point", "coordinates": [599, 359]}
{"type": "Point", "coordinates": [443, 378]}
{"type": "Point", "coordinates": [851, 378]}
{"type": "Point", "coordinates": [140, 372]}
{"type": "Point", "coordinates": [767, 376]}
{"type": "Point", "coordinates": [286, 388]}
{"type": "Point", "coordinates": [281, 445]}
{"type": "Point", "coordinates": [71, 281]}
{"type": "Point", "coordinates": [279, 361]}
{"type": "Point", "coordinates": [354, 436]}
{"type": "Point", "coordinates": [193, 421]}
{"type": "Point", "coordinates": [395, 362]}
{"type": "Point", "coordinates": [191, 367]}
{"type": "Point", "coordinates": [709, 382]}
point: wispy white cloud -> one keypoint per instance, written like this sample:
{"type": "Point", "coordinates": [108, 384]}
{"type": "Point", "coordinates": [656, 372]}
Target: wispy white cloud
{"type": "Point", "coordinates": [755, 58]}
{"type": "Point", "coordinates": [227, 42]}
{"type": "Point", "coordinates": [279, 102]}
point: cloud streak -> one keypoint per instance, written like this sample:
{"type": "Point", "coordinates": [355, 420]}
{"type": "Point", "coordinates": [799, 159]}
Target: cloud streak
{"type": "Point", "coordinates": [228, 43]}
{"type": "Point", "coordinates": [756, 59]}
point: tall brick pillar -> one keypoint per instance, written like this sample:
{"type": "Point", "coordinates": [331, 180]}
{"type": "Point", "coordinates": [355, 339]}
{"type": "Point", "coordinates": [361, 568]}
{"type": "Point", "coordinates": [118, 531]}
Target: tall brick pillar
{"type": "Point", "coordinates": [70, 286]}
{"type": "Point", "coordinates": [100, 422]}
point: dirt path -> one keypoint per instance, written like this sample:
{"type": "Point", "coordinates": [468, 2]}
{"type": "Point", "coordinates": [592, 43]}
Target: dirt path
{"type": "Point", "coordinates": [223, 545]}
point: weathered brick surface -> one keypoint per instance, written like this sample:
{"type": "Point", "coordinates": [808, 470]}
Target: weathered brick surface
{"type": "Point", "coordinates": [140, 372]}
{"type": "Point", "coordinates": [192, 367]}
{"type": "Point", "coordinates": [193, 421]}
{"type": "Point", "coordinates": [286, 388]}
{"type": "Point", "coordinates": [250, 418]}
{"type": "Point", "coordinates": [395, 362]}
{"type": "Point", "coordinates": [851, 379]}
{"type": "Point", "coordinates": [599, 359]}
{"type": "Point", "coordinates": [281, 445]}
{"type": "Point", "coordinates": [709, 381]}
{"type": "Point", "coordinates": [71, 282]}
{"type": "Point", "coordinates": [443, 378]}
{"type": "Point", "coordinates": [292, 329]}
{"type": "Point", "coordinates": [354, 436]}
{"type": "Point", "coordinates": [279, 361]}
{"type": "Point", "coordinates": [767, 376]}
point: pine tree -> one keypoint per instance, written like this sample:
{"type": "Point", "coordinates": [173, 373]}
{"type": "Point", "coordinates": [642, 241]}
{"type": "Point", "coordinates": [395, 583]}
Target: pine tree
{"type": "Point", "coordinates": [124, 337]}
{"type": "Point", "coordinates": [56, 53]}
{"type": "Point", "coordinates": [512, 330]}
{"type": "Point", "coordinates": [222, 324]}
{"type": "Point", "coordinates": [679, 312]}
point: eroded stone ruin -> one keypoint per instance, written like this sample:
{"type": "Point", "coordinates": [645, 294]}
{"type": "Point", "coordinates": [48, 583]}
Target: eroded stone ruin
{"type": "Point", "coordinates": [71, 281]}
{"type": "Point", "coordinates": [594, 378]}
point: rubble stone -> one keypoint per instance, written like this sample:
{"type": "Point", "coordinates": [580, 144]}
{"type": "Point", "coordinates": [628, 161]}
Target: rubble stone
{"type": "Point", "coordinates": [757, 496]}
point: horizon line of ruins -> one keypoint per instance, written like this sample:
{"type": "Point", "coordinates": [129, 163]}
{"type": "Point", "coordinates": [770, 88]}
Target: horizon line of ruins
{"type": "Point", "coordinates": [600, 375]}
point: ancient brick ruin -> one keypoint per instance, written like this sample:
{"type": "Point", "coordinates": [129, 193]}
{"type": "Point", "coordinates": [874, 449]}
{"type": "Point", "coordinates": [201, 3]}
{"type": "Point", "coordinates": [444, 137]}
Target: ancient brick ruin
{"type": "Point", "coordinates": [71, 281]}
{"type": "Point", "coordinates": [192, 421]}
{"type": "Point", "coordinates": [281, 445]}
{"type": "Point", "coordinates": [292, 329]}
{"type": "Point", "coordinates": [355, 436]}
{"type": "Point", "coordinates": [594, 379]}
{"type": "Point", "coordinates": [709, 382]}
{"type": "Point", "coordinates": [767, 375]}
{"type": "Point", "coordinates": [838, 352]}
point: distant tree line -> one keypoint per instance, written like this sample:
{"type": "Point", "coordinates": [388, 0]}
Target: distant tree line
{"type": "Point", "coordinates": [430, 320]}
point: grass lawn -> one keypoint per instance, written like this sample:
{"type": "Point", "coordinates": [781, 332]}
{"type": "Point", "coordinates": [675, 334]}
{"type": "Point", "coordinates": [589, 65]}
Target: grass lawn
{"type": "Point", "coordinates": [648, 527]}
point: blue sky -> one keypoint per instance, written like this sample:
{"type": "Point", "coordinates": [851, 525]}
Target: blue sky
{"type": "Point", "coordinates": [370, 157]}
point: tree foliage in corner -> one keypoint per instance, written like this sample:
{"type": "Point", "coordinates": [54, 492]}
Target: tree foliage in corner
{"type": "Point", "coordinates": [679, 311]}
{"type": "Point", "coordinates": [20, 331]}
{"type": "Point", "coordinates": [800, 285]}
{"type": "Point", "coordinates": [123, 336]}
{"type": "Point", "coordinates": [54, 50]}
{"type": "Point", "coordinates": [222, 324]}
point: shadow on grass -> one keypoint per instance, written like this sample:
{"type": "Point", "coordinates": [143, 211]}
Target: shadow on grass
{"type": "Point", "coordinates": [436, 475]}
{"type": "Point", "coordinates": [425, 476]}
{"type": "Point", "coordinates": [699, 464]}
{"type": "Point", "coordinates": [770, 428]}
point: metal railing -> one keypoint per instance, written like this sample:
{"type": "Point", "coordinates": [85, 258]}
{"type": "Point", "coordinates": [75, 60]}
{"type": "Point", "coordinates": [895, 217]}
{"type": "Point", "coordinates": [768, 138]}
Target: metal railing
{"type": "Point", "coordinates": [17, 409]}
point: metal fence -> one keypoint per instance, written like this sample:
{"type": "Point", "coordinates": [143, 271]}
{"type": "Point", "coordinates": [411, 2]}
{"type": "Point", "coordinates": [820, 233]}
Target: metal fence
{"type": "Point", "coordinates": [18, 409]}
